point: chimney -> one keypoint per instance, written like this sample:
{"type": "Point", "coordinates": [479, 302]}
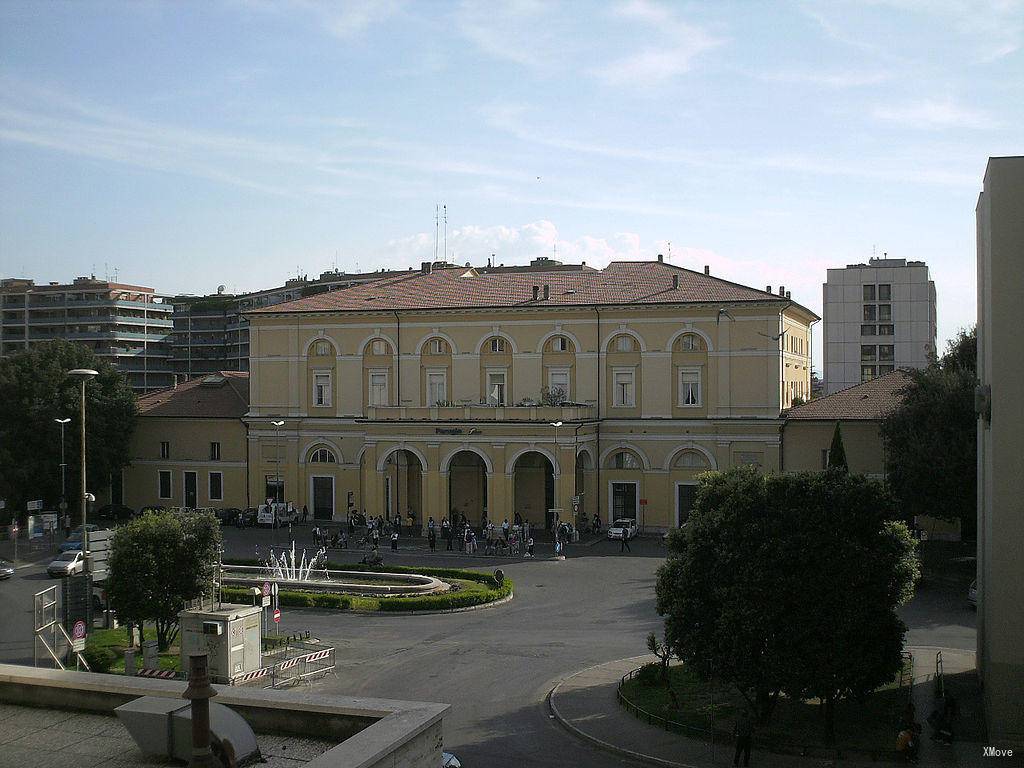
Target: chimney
{"type": "Point", "coordinates": [767, 289]}
{"type": "Point", "coordinates": [707, 269]}
{"type": "Point", "coordinates": [536, 292]}
{"type": "Point", "coordinates": [547, 292]}
{"type": "Point", "coordinates": [661, 258]}
{"type": "Point", "coordinates": [787, 294]}
{"type": "Point", "coordinates": [425, 267]}
{"type": "Point", "coordinates": [675, 281]}
{"type": "Point", "coordinates": [782, 290]}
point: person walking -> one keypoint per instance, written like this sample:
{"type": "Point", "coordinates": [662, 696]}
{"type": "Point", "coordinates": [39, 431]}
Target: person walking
{"type": "Point", "coordinates": [394, 541]}
{"type": "Point", "coordinates": [624, 544]}
{"type": "Point", "coordinates": [291, 536]}
{"type": "Point", "coordinates": [744, 734]}
{"type": "Point", "coordinates": [504, 529]}
{"type": "Point", "coordinates": [446, 531]}
{"type": "Point", "coordinates": [305, 514]}
{"type": "Point", "coordinates": [432, 538]}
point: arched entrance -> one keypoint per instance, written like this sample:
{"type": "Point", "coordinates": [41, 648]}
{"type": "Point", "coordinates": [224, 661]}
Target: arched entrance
{"type": "Point", "coordinates": [467, 487]}
{"type": "Point", "coordinates": [403, 486]}
{"type": "Point", "coordinates": [533, 484]}
{"type": "Point", "coordinates": [584, 474]}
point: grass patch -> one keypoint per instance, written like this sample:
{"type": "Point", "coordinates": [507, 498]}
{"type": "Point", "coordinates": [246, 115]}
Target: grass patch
{"type": "Point", "coordinates": [866, 726]}
{"type": "Point", "coordinates": [104, 651]}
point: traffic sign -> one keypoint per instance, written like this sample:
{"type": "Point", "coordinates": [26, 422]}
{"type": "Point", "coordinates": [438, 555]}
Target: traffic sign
{"type": "Point", "coordinates": [32, 506]}
{"type": "Point", "coordinates": [265, 601]}
{"type": "Point", "coordinates": [277, 615]}
{"type": "Point", "coordinates": [266, 589]}
{"type": "Point", "coordinates": [78, 636]}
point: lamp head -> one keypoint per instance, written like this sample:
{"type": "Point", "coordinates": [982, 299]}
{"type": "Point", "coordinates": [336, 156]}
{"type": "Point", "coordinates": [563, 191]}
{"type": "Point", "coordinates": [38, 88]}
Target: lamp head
{"type": "Point", "coordinates": [83, 373]}
{"type": "Point", "coordinates": [62, 421]}
{"type": "Point", "coordinates": [277, 423]}
{"type": "Point", "coordinates": [556, 423]}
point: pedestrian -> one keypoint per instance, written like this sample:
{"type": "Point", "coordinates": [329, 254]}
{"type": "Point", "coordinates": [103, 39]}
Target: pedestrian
{"type": "Point", "coordinates": [446, 532]}
{"type": "Point", "coordinates": [744, 733]}
{"type": "Point", "coordinates": [432, 538]}
{"type": "Point", "coordinates": [624, 544]}
{"type": "Point", "coordinates": [504, 529]}
{"type": "Point", "coordinates": [67, 526]}
{"type": "Point", "coordinates": [305, 513]}
{"type": "Point", "coordinates": [394, 541]}
{"type": "Point", "coordinates": [529, 547]}
{"type": "Point", "coordinates": [316, 535]}
{"type": "Point", "coordinates": [291, 536]}
{"type": "Point", "coordinates": [344, 540]}
{"type": "Point", "coordinates": [518, 519]}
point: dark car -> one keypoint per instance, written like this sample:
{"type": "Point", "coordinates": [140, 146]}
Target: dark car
{"type": "Point", "coordinates": [114, 513]}
{"type": "Point", "coordinates": [227, 515]}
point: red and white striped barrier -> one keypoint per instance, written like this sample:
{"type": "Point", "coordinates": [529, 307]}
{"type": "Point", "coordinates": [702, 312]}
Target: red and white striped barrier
{"type": "Point", "coordinates": [254, 675]}
{"type": "Point", "coordinates": [288, 664]}
{"type": "Point", "coordinates": [317, 655]}
{"type": "Point", "coordinates": [163, 674]}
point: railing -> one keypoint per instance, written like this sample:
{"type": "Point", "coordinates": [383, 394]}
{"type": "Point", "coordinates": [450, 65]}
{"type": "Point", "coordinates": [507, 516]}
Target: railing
{"type": "Point", "coordinates": [651, 718]}
{"type": "Point", "coordinates": [905, 687]}
{"type": "Point", "coordinates": [302, 661]}
{"type": "Point", "coordinates": [545, 413]}
{"type": "Point", "coordinates": [940, 681]}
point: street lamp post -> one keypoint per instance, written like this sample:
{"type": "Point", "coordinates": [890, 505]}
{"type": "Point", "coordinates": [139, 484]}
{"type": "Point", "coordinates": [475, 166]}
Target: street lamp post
{"type": "Point", "coordinates": [277, 487]}
{"type": "Point", "coordinates": [556, 425]}
{"type": "Point", "coordinates": [83, 375]}
{"type": "Point", "coordinates": [63, 470]}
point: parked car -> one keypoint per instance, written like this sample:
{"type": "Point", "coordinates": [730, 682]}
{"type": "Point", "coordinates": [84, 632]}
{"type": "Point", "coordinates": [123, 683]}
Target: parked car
{"type": "Point", "coordinates": [972, 595]}
{"type": "Point", "coordinates": [74, 541]}
{"type": "Point", "coordinates": [624, 527]}
{"type": "Point", "coordinates": [448, 760]}
{"type": "Point", "coordinates": [114, 513]}
{"type": "Point", "coordinates": [227, 515]}
{"type": "Point", "coordinates": [6, 569]}
{"type": "Point", "coordinates": [68, 564]}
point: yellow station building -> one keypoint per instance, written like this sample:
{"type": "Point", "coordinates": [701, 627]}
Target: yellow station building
{"type": "Point", "coordinates": [455, 390]}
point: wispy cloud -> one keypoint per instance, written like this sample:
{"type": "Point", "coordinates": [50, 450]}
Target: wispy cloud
{"type": "Point", "coordinates": [931, 114]}
{"type": "Point", "coordinates": [834, 80]}
{"type": "Point", "coordinates": [343, 19]}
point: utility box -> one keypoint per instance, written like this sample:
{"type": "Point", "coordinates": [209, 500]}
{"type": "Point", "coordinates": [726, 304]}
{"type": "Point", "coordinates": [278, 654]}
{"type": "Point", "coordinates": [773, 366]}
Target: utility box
{"type": "Point", "coordinates": [229, 636]}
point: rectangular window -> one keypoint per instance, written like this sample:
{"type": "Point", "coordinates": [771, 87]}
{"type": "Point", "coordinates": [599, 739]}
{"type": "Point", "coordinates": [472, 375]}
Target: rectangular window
{"type": "Point", "coordinates": [437, 387]}
{"type": "Point", "coordinates": [497, 344]}
{"type": "Point", "coordinates": [558, 379]}
{"type": "Point", "coordinates": [867, 372]}
{"type": "Point", "coordinates": [867, 330]}
{"type": "Point", "coordinates": [165, 450]}
{"type": "Point", "coordinates": [867, 352]}
{"type": "Point", "coordinates": [869, 313]}
{"type": "Point", "coordinates": [689, 387]}
{"type": "Point", "coordinates": [560, 344]}
{"type": "Point", "coordinates": [378, 388]}
{"type": "Point", "coordinates": [885, 312]}
{"type": "Point", "coordinates": [624, 388]}
{"type": "Point", "coordinates": [886, 352]}
{"type": "Point", "coordinates": [274, 488]}
{"type": "Point", "coordinates": [438, 347]}
{"type": "Point", "coordinates": [496, 387]}
{"type": "Point", "coordinates": [885, 292]}
{"type": "Point", "coordinates": [885, 330]}
{"type": "Point", "coordinates": [321, 390]}
{"type": "Point", "coordinates": [216, 486]}
{"type": "Point", "coordinates": [869, 293]}
{"type": "Point", "coordinates": [165, 484]}
{"type": "Point", "coordinates": [214, 451]}
{"type": "Point", "coordinates": [884, 369]}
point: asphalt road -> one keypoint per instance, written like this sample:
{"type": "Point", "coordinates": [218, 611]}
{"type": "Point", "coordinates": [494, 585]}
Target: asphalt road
{"type": "Point", "coordinates": [496, 665]}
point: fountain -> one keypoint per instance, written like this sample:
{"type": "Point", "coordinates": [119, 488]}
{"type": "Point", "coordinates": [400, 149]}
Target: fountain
{"type": "Point", "coordinates": [286, 568]}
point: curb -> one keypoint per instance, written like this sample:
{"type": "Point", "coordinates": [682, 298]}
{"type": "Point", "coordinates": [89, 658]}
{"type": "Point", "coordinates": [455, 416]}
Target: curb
{"type": "Point", "coordinates": [600, 743]}
{"type": "Point", "coordinates": [467, 609]}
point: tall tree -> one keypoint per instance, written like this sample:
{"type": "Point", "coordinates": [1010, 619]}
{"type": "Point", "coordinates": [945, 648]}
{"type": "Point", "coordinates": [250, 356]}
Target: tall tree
{"type": "Point", "coordinates": [837, 452]}
{"type": "Point", "coordinates": [157, 563]}
{"type": "Point", "coordinates": [931, 438]}
{"type": "Point", "coordinates": [34, 390]}
{"type": "Point", "coordinates": [789, 583]}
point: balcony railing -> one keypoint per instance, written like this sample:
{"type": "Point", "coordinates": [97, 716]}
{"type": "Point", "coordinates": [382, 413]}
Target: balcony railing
{"type": "Point", "coordinates": [544, 413]}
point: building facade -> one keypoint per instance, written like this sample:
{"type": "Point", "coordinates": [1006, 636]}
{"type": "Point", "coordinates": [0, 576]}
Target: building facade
{"type": "Point", "coordinates": [879, 316]}
{"type": "Point", "coordinates": [1000, 401]}
{"type": "Point", "coordinates": [127, 325]}
{"type": "Point", "coordinates": [189, 446]}
{"type": "Point", "coordinates": [462, 391]}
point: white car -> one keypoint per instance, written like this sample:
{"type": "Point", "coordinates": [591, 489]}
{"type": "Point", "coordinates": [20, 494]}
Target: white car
{"type": "Point", "coordinates": [624, 527]}
{"type": "Point", "coordinates": [68, 564]}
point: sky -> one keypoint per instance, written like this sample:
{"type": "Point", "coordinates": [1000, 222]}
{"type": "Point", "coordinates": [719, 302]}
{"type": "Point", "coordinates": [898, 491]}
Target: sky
{"type": "Point", "coordinates": [194, 144]}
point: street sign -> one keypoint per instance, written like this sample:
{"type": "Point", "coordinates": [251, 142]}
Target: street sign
{"type": "Point", "coordinates": [33, 506]}
{"type": "Point", "coordinates": [78, 636]}
{"type": "Point", "coordinates": [265, 601]}
{"type": "Point", "coordinates": [277, 615]}
{"type": "Point", "coordinates": [266, 589]}
{"type": "Point", "coordinates": [273, 589]}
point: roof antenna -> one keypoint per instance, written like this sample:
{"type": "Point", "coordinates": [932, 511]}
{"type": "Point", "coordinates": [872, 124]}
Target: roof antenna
{"type": "Point", "coordinates": [437, 213]}
{"type": "Point", "coordinates": [669, 250]}
{"type": "Point", "coordinates": [446, 232]}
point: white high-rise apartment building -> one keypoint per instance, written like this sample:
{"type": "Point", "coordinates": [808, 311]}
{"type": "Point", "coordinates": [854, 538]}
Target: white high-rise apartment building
{"type": "Point", "coordinates": [878, 316]}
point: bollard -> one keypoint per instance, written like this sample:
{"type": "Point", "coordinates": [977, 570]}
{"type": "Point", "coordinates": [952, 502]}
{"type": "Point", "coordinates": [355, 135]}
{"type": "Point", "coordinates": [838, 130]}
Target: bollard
{"type": "Point", "coordinates": [199, 692]}
{"type": "Point", "coordinates": [129, 662]}
{"type": "Point", "coordinates": [150, 655]}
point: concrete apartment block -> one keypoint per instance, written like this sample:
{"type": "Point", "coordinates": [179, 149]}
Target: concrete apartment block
{"type": "Point", "coordinates": [879, 316]}
{"type": "Point", "coordinates": [1000, 215]}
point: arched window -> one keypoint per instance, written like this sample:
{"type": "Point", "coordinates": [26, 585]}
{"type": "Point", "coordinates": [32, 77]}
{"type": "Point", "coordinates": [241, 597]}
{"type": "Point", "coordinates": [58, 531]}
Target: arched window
{"type": "Point", "coordinates": [691, 460]}
{"type": "Point", "coordinates": [322, 348]}
{"type": "Point", "coordinates": [623, 343]}
{"type": "Point", "coordinates": [437, 346]}
{"type": "Point", "coordinates": [560, 344]}
{"type": "Point", "coordinates": [377, 347]}
{"type": "Point", "coordinates": [323, 456]}
{"type": "Point", "coordinates": [626, 460]}
{"type": "Point", "coordinates": [691, 342]}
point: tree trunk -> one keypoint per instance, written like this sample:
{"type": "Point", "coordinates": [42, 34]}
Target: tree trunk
{"type": "Point", "coordinates": [764, 704]}
{"type": "Point", "coordinates": [830, 719]}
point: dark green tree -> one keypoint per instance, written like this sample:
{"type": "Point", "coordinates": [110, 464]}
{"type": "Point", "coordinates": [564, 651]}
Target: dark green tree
{"type": "Point", "coordinates": [35, 390]}
{"type": "Point", "coordinates": [836, 452]}
{"type": "Point", "coordinates": [931, 439]}
{"type": "Point", "coordinates": [789, 583]}
{"type": "Point", "coordinates": [157, 563]}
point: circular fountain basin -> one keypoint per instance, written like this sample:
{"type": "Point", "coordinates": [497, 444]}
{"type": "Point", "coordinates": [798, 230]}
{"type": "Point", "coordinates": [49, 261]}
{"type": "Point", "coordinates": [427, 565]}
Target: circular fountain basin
{"type": "Point", "coordinates": [342, 582]}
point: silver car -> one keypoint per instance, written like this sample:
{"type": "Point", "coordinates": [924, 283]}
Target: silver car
{"type": "Point", "coordinates": [6, 569]}
{"type": "Point", "coordinates": [623, 528]}
{"type": "Point", "coordinates": [68, 564]}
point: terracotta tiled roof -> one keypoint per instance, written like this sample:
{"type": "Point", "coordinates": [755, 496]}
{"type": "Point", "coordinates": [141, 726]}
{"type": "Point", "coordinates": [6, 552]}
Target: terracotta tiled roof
{"type": "Point", "coordinates": [223, 395]}
{"type": "Point", "coordinates": [621, 282]}
{"type": "Point", "coordinates": [869, 401]}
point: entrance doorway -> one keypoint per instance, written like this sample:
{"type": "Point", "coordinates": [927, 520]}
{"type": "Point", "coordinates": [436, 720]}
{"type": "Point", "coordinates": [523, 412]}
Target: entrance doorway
{"type": "Point", "coordinates": [467, 487]}
{"type": "Point", "coordinates": [323, 497]}
{"type": "Point", "coordinates": [190, 490]}
{"type": "Point", "coordinates": [533, 485]}
{"type": "Point", "coordinates": [403, 484]}
{"type": "Point", "coordinates": [623, 501]}
{"type": "Point", "coordinates": [686, 494]}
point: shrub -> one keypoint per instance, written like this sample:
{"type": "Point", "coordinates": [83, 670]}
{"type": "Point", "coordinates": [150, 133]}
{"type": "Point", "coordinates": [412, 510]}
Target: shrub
{"type": "Point", "coordinates": [99, 658]}
{"type": "Point", "coordinates": [649, 674]}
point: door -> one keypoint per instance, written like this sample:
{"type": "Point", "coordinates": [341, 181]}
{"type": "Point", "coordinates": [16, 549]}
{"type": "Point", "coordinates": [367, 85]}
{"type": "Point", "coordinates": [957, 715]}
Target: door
{"type": "Point", "coordinates": [624, 498]}
{"type": "Point", "coordinates": [190, 489]}
{"type": "Point", "coordinates": [323, 498]}
{"type": "Point", "coordinates": [685, 496]}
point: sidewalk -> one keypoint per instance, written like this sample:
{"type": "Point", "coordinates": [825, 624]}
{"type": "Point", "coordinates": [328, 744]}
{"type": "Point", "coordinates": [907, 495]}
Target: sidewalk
{"type": "Point", "coordinates": [585, 704]}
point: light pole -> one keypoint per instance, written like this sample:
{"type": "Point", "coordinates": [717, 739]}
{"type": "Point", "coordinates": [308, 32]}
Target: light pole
{"type": "Point", "coordinates": [556, 425]}
{"type": "Point", "coordinates": [63, 469]}
{"type": "Point", "coordinates": [83, 375]}
{"type": "Point", "coordinates": [277, 487]}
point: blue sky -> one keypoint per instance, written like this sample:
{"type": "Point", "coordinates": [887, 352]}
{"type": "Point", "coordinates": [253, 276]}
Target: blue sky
{"type": "Point", "coordinates": [195, 144]}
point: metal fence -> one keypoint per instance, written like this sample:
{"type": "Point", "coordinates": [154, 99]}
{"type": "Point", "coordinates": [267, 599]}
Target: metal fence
{"type": "Point", "coordinates": [291, 662]}
{"type": "Point", "coordinates": [940, 678]}
{"type": "Point", "coordinates": [663, 722]}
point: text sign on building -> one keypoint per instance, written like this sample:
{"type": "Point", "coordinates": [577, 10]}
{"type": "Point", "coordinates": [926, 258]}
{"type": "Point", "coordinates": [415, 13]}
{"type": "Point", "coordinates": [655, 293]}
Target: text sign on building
{"type": "Point", "coordinates": [33, 506]}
